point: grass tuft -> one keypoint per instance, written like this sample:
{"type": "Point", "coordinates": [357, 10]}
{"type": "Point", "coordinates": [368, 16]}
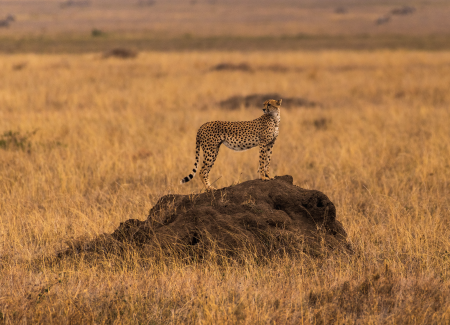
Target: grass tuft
{"type": "Point", "coordinates": [11, 140]}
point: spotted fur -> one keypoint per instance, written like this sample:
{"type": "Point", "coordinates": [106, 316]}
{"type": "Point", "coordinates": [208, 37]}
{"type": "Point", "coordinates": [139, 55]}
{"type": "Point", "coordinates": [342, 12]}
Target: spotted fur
{"type": "Point", "coordinates": [238, 136]}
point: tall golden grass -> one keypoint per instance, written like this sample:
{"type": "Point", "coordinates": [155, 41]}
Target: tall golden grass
{"type": "Point", "coordinates": [86, 143]}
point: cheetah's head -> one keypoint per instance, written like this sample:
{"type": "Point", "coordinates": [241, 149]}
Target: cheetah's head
{"type": "Point", "coordinates": [272, 106]}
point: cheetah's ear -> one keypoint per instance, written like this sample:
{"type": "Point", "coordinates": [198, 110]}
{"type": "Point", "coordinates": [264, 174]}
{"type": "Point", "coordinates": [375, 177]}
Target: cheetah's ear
{"type": "Point", "coordinates": [279, 102]}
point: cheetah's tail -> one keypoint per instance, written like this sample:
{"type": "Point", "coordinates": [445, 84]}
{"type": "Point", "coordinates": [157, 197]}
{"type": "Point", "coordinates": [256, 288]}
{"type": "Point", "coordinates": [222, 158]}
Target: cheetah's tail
{"type": "Point", "coordinates": [197, 155]}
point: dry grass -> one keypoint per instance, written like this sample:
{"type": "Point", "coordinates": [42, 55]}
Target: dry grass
{"type": "Point", "coordinates": [103, 139]}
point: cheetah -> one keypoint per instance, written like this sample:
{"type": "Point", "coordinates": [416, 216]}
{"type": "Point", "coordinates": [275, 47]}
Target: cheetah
{"type": "Point", "coordinates": [238, 136]}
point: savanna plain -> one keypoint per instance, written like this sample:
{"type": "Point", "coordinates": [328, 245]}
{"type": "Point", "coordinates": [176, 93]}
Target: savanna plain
{"type": "Point", "coordinates": [87, 142]}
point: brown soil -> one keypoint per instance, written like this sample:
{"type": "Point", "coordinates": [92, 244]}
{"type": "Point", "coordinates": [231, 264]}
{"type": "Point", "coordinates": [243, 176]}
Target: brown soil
{"type": "Point", "coordinates": [257, 100]}
{"type": "Point", "coordinates": [264, 218]}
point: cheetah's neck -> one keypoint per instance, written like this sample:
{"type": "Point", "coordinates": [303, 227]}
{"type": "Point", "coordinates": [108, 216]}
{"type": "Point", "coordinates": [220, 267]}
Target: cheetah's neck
{"type": "Point", "coordinates": [276, 117]}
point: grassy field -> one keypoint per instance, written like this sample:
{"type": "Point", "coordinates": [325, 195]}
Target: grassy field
{"type": "Point", "coordinates": [85, 26]}
{"type": "Point", "coordinates": [225, 18]}
{"type": "Point", "coordinates": [85, 43]}
{"type": "Point", "coordinates": [88, 142]}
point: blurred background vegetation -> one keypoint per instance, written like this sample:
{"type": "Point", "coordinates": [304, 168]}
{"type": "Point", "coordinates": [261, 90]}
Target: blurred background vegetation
{"type": "Point", "coordinates": [55, 26]}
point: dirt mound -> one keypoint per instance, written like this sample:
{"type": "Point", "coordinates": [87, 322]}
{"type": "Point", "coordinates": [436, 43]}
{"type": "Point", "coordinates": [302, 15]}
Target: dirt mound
{"type": "Point", "coordinates": [405, 10]}
{"type": "Point", "coordinates": [245, 67]}
{"type": "Point", "coordinates": [232, 66]}
{"type": "Point", "coordinates": [263, 218]}
{"type": "Point", "coordinates": [257, 100]}
{"type": "Point", "coordinates": [122, 53]}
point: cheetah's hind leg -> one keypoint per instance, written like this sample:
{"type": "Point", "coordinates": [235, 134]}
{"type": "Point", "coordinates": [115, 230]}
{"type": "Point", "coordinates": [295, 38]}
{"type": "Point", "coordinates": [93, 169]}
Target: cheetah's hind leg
{"type": "Point", "coordinates": [209, 157]}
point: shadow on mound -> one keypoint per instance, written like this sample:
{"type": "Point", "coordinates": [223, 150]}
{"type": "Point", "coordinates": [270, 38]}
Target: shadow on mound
{"type": "Point", "coordinates": [261, 218]}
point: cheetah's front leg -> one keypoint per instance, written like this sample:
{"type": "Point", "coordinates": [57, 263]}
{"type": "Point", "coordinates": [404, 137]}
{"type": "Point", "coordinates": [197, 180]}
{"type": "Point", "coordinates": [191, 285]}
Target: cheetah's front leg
{"type": "Point", "coordinates": [262, 162]}
{"type": "Point", "coordinates": [269, 148]}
